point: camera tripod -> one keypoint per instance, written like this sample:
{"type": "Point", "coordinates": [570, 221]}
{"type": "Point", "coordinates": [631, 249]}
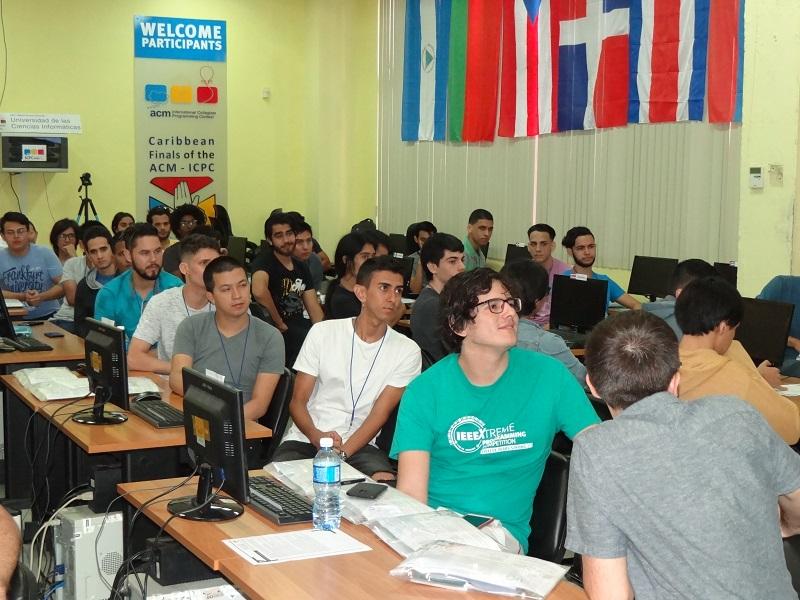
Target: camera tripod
{"type": "Point", "coordinates": [86, 202]}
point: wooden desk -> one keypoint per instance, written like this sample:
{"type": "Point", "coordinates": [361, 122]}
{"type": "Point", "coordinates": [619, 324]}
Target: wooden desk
{"type": "Point", "coordinates": [17, 312]}
{"type": "Point", "coordinates": [65, 349]}
{"type": "Point", "coordinates": [360, 576]}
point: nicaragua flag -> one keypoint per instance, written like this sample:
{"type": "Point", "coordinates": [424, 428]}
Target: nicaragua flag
{"type": "Point", "coordinates": [425, 70]}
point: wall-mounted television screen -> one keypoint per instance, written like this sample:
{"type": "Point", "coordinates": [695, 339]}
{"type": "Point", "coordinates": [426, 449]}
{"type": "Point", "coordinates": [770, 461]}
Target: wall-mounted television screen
{"type": "Point", "coordinates": [34, 153]}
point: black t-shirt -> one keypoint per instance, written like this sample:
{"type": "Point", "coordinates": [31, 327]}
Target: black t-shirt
{"type": "Point", "coordinates": [343, 304]}
{"type": "Point", "coordinates": [171, 259]}
{"type": "Point", "coordinates": [285, 286]}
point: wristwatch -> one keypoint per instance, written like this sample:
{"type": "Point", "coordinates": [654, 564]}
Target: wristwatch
{"type": "Point", "coordinates": [343, 455]}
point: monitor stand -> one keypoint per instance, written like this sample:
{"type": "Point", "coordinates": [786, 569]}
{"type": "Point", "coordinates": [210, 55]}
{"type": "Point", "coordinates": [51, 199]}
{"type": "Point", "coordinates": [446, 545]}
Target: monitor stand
{"type": "Point", "coordinates": [97, 416]}
{"type": "Point", "coordinates": [205, 506]}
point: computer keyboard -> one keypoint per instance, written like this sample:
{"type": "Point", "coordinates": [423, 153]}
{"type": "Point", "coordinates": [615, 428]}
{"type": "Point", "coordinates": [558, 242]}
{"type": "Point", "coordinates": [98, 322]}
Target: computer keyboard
{"type": "Point", "coordinates": [277, 502]}
{"type": "Point", "coordinates": [158, 413]}
{"type": "Point", "coordinates": [25, 343]}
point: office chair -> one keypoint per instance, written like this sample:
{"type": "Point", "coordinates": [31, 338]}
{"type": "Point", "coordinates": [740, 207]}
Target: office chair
{"type": "Point", "coordinates": [791, 552]}
{"type": "Point", "coordinates": [24, 585]}
{"type": "Point", "coordinates": [277, 415]}
{"type": "Point", "coordinates": [549, 519]}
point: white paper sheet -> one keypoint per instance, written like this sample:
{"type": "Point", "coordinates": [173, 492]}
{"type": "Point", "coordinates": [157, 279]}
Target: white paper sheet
{"type": "Point", "coordinates": [789, 389]}
{"type": "Point", "coordinates": [294, 545]}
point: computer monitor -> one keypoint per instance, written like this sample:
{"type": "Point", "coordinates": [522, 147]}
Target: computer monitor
{"type": "Point", "coordinates": [107, 370]}
{"type": "Point", "coordinates": [6, 322]}
{"type": "Point", "coordinates": [397, 245]}
{"type": "Point", "coordinates": [727, 271]}
{"type": "Point", "coordinates": [515, 252]}
{"type": "Point", "coordinates": [213, 418]}
{"type": "Point", "coordinates": [237, 248]}
{"type": "Point", "coordinates": [22, 154]}
{"type": "Point", "coordinates": [577, 303]}
{"type": "Point", "coordinates": [651, 276]}
{"type": "Point", "coordinates": [764, 329]}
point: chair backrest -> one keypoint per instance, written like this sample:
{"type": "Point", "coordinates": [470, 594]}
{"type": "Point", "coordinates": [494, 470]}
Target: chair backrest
{"type": "Point", "coordinates": [277, 415]}
{"type": "Point", "coordinates": [791, 552]}
{"type": "Point", "coordinates": [549, 519]}
{"type": "Point", "coordinates": [23, 585]}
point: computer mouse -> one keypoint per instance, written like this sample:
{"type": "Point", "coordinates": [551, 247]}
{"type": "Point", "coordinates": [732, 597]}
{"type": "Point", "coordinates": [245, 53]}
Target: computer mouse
{"type": "Point", "coordinates": [147, 396]}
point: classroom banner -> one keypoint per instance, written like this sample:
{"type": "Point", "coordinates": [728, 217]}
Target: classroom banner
{"type": "Point", "coordinates": [181, 112]}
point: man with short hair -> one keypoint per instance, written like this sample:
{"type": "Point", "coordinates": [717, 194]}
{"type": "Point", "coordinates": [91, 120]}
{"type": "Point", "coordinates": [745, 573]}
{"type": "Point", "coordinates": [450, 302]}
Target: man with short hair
{"type": "Point", "coordinates": [163, 314]}
{"type": "Point", "coordinates": [28, 272]}
{"type": "Point", "coordinates": [442, 257]}
{"type": "Point", "coordinates": [475, 430]}
{"type": "Point", "coordinates": [580, 245]}
{"type": "Point", "coordinates": [685, 272]}
{"type": "Point", "coordinates": [708, 311]}
{"type": "Point", "coordinates": [97, 243]}
{"type": "Point", "coordinates": [124, 298]}
{"type": "Point", "coordinates": [419, 234]}
{"type": "Point", "coordinates": [675, 500]}
{"type": "Point", "coordinates": [541, 243]}
{"type": "Point", "coordinates": [282, 285]}
{"type": "Point", "coordinates": [351, 374]}
{"type": "Point", "coordinates": [304, 252]}
{"type": "Point", "coordinates": [119, 248]}
{"type": "Point", "coordinates": [228, 343]}
{"type": "Point", "coordinates": [159, 217]}
{"type": "Point", "coordinates": [479, 232]}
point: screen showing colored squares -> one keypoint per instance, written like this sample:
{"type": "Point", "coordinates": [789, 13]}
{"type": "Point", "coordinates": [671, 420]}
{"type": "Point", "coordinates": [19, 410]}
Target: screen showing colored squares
{"type": "Point", "coordinates": [34, 152]}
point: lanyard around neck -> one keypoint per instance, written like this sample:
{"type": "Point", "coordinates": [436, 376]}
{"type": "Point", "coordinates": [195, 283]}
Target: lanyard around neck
{"type": "Point", "coordinates": [236, 382]}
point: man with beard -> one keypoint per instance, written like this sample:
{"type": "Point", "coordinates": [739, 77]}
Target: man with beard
{"type": "Point", "coordinates": [283, 286]}
{"type": "Point", "coordinates": [159, 217]}
{"type": "Point", "coordinates": [123, 299]}
{"type": "Point", "coordinates": [580, 245]}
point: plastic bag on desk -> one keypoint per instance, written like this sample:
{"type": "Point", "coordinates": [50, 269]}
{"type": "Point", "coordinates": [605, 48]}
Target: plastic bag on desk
{"type": "Point", "coordinates": [456, 566]}
{"type": "Point", "coordinates": [406, 534]}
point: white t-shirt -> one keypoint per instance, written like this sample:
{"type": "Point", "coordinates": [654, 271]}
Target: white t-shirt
{"type": "Point", "coordinates": [75, 269]}
{"type": "Point", "coordinates": [326, 355]}
{"type": "Point", "coordinates": [161, 317]}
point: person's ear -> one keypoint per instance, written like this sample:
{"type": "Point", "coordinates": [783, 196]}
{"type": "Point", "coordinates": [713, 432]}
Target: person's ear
{"type": "Point", "coordinates": [128, 255]}
{"type": "Point", "coordinates": [591, 387]}
{"type": "Point", "coordinates": [184, 269]}
{"type": "Point", "coordinates": [459, 331]}
{"type": "Point", "coordinates": [361, 292]}
{"type": "Point", "coordinates": [674, 383]}
{"type": "Point", "coordinates": [210, 297]}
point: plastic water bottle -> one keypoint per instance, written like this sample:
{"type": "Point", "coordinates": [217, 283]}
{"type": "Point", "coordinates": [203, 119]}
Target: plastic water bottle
{"type": "Point", "coordinates": [327, 511]}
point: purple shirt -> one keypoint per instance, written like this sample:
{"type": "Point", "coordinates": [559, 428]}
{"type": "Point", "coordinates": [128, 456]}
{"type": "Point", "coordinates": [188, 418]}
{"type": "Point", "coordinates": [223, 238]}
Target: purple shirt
{"type": "Point", "coordinates": [542, 317]}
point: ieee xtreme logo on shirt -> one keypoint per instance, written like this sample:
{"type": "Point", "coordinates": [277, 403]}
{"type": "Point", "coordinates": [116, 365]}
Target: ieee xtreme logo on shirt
{"type": "Point", "coordinates": [469, 434]}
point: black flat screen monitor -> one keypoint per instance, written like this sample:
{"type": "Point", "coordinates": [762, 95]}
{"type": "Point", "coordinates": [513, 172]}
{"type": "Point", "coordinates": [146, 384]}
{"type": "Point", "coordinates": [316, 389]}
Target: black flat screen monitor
{"type": "Point", "coordinates": [237, 248]}
{"type": "Point", "coordinates": [6, 322]}
{"type": "Point", "coordinates": [728, 272]}
{"type": "Point", "coordinates": [651, 276]}
{"type": "Point", "coordinates": [22, 154]}
{"type": "Point", "coordinates": [515, 252]}
{"type": "Point", "coordinates": [764, 329]}
{"type": "Point", "coordinates": [107, 370]}
{"type": "Point", "coordinates": [213, 419]}
{"type": "Point", "coordinates": [397, 245]}
{"type": "Point", "coordinates": [577, 303]}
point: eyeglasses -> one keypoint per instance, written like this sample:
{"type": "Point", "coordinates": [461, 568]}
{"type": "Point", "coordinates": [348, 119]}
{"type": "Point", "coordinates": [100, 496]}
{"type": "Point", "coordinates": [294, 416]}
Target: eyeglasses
{"type": "Point", "coordinates": [496, 305]}
{"type": "Point", "coordinates": [191, 223]}
{"type": "Point", "coordinates": [16, 232]}
{"type": "Point", "coordinates": [66, 236]}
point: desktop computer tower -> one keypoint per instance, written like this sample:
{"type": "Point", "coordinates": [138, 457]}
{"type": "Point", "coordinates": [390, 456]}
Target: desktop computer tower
{"type": "Point", "coordinates": [75, 540]}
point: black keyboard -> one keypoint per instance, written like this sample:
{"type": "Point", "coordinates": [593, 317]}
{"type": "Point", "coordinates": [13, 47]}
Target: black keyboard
{"type": "Point", "coordinates": [277, 502]}
{"type": "Point", "coordinates": [571, 338]}
{"type": "Point", "coordinates": [158, 413]}
{"type": "Point", "coordinates": [25, 343]}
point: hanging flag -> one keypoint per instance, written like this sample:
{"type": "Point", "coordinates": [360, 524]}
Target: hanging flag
{"type": "Point", "coordinates": [725, 60]}
{"type": "Point", "coordinates": [425, 70]}
{"type": "Point", "coordinates": [475, 31]}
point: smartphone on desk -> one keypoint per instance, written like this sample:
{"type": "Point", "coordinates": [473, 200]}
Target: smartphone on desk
{"type": "Point", "coordinates": [53, 334]}
{"type": "Point", "coordinates": [367, 491]}
{"type": "Point", "coordinates": [478, 520]}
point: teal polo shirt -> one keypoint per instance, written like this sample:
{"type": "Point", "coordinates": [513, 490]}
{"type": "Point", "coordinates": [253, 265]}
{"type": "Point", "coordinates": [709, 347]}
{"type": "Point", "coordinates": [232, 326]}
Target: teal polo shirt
{"type": "Point", "coordinates": [473, 259]}
{"type": "Point", "coordinates": [118, 301]}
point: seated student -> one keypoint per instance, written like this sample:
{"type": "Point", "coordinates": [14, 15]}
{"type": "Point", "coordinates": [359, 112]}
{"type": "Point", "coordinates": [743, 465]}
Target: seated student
{"type": "Point", "coordinates": [442, 258]}
{"type": "Point", "coordinates": [580, 245]}
{"type": "Point", "coordinates": [304, 252]}
{"type": "Point", "coordinates": [119, 248]}
{"type": "Point", "coordinates": [165, 311]}
{"type": "Point", "coordinates": [124, 298]}
{"type": "Point", "coordinates": [28, 272]}
{"type": "Point", "coordinates": [541, 243]}
{"type": "Point", "coordinates": [479, 232]}
{"type": "Point", "coordinates": [675, 500]}
{"type": "Point", "coordinates": [97, 245]}
{"type": "Point", "coordinates": [64, 239]}
{"type": "Point", "coordinates": [282, 285]}
{"type": "Point", "coordinates": [183, 220]}
{"type": "Point", "coordinates": [416, 236]}
{"type": "Point", "coordinates": [786, 288]}
{"type": "Point", "coordinates": [159, 217]}
{"type": "Point", "coordinates": [74, 269]}
{"type": "Point", "coordinates": [712, 362]}
{"type": "Point", "coordinates": [475, 430]}
{"type": "Point", "coordinates": [380, 241]}
{"type": "Point", "coordinates": [530, 281]}
{"type": "Point", "coordinates": [351, 252]}
{"type": "Point", "coordinates": [685, 272]}
{"type": "Point", "coordinates": [245, 351]}
{"type": "Point", "coordinates": [315, 247]}
{"type": "Point", "coordinates": [121, 221]}
{"type": "Point", "coordinates": [351, 374]}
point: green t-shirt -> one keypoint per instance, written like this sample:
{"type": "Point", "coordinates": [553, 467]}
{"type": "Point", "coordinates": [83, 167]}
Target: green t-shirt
{"type": "Point", "coordinates": [473, 259]}
{"type": "Point", "coordinates": [488, 445]}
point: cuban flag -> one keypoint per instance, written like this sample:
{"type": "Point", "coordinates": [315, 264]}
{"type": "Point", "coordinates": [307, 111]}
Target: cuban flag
{"type": "Point", "coordinates": [425, 71]}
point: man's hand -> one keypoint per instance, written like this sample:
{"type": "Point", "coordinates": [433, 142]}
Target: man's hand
{"type": "Point", "coordinates": [770, 373]}
{"type": "Point", "coordinates": [33, 298]}
{"type": "Point", "coordinates": [318, 435]}
{"type": "Point", "coordinates": [69, 250]}
{"type": "Point", "coordinates": [793, 342]}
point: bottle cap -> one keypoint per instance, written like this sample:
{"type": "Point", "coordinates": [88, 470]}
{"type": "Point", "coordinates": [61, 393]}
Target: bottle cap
{"type": "Point", "coordinates": [326, 442]}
